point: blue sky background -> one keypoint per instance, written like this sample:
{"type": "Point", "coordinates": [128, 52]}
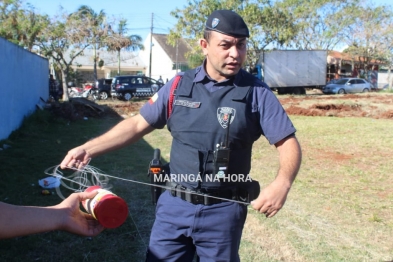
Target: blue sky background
{"type": "Point", "coordinates": [138, 13]}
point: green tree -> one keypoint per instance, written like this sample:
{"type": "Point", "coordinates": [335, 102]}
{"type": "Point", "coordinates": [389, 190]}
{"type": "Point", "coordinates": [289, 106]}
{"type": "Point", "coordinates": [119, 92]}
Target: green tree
{"type": "Point", "coordinates": [118, 40]}
{"type": "Point", "coordinates": [63, 40]}
{"type": "Point", "coordinates": [9, 10]}
{"type": "Point", "coordinates": [365, 36]}
{"type": "Point", "coordinates": [20, 26]}
{"type": "Point", "coordinates": [267, 24]}
{"type": "Point", "coordinates": [30, 25]}
{"type": "Point", "coordinates": [270, 27]}
{"type": "Point", "coordinates": [320, 24]}
{"type": "Point", "coordinates": [96, 28]}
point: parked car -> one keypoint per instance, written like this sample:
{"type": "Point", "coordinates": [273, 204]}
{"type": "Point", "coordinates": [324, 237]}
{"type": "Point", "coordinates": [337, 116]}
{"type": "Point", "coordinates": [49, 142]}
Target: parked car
{"type": "Point", "coordinates": [102, 88]}
{"type": "Point", "coordinates": [332, 81]}
{"type": "Point", "coordinates": [129, 86]}
{"type": "Point", "coordinates": [347, 86]}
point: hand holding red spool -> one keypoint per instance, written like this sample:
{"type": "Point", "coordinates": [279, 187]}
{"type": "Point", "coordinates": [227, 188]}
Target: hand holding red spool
{"type": "Point", "coordinates": [109, 209]}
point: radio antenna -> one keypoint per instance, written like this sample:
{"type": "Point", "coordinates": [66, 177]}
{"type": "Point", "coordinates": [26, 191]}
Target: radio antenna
{"type": "Point", "coordinates": [227, 134]}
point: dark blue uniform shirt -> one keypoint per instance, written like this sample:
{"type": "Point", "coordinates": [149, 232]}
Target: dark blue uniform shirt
{"type": "Point", "coordinates": [273, 119]}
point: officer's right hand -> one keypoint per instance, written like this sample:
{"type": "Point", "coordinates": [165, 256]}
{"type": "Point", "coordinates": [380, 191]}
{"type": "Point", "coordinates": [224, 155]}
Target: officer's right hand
{"type": "Point", "coordinates": [76, 158]}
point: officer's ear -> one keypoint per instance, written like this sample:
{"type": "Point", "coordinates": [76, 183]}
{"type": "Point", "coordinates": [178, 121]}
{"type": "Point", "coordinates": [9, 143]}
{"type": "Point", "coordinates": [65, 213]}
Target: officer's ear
{"type": "Point", "coordinates": [203, 43]}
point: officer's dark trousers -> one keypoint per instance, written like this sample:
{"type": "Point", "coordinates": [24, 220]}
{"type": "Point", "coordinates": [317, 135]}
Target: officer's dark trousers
{"type": "Point", "coordinates": [181, 228]}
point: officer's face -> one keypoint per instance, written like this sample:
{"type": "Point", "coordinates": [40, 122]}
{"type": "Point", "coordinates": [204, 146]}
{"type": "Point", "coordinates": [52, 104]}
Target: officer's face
{"type": "Point", "coordinates": [224, 55]}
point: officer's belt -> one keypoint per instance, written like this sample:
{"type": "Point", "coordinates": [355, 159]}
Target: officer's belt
{"type": "Point", "coordinates": [202, 196]}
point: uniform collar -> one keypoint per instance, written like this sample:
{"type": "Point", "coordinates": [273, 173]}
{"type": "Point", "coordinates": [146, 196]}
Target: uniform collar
{"type": "Point", "coordinates": [238, 77]}
{"type": "Point", "coordinates": [203, 77]}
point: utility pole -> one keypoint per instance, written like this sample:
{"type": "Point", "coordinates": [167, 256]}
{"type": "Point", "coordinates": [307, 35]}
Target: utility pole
{"type": "Point", "coordinates": [151, 43]}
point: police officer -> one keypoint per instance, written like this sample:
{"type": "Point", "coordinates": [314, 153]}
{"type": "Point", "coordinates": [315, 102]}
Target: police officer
{"type": "Point", "coordinates": [53, 89]}
{"type": "Point", "coordinates": [216, 114]}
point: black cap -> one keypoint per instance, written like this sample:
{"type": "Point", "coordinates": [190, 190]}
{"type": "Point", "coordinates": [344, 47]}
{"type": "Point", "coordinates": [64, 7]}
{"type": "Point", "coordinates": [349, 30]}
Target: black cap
{"type": "Point", "coordinates": [227, 22]}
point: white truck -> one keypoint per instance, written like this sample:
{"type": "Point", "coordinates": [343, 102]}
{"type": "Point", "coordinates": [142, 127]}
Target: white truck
{"type": "Point", "coordinates": [292, 71]}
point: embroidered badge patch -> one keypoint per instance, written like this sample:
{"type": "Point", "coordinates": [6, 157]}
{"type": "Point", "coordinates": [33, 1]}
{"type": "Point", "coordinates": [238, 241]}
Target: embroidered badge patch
{"type": "Point", "coordinates": [223, 115]}
{"type": "Point", "coordinates": [215, 22]}
{"type": "Point", "coordinates": [186, 103]}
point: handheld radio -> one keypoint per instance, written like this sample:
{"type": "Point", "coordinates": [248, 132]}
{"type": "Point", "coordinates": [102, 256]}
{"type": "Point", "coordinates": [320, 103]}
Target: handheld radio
{"type": "Point", "coordinates": [221, 155]}
{"type": "Point", "coordinates": [155, 170]}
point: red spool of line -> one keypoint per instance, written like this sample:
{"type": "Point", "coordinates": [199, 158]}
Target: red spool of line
{"type": "Point", "coordinates": [110, 210]}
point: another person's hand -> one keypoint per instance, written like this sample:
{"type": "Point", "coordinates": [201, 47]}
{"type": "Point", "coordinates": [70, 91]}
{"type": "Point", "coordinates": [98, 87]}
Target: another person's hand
{"type": "Point", "coordinates": [26, 220]}
{"type": "Point", "coordinates": [76, 221]}
{"type": "Point", "coordinates": [271, 199]}
{"type": "Point", "coordinates": [76, 158]}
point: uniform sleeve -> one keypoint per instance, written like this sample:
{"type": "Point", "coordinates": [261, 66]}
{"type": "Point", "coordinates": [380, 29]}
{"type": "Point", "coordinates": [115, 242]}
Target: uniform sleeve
{"type": "Point", "coordinates": [274, 121]}
{"type": "Point", "coordinates": [154, 111]}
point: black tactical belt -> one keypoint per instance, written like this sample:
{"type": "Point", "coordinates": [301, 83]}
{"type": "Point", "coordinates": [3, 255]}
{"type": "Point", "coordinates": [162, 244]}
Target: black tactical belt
{"type": "Point", "coordinates": [201, 196]}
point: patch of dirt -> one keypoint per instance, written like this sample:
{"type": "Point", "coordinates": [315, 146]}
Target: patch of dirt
{"type": "Point", "coordinates": [387, 114]}
{"type": "Point", "coordinates": [373, 105]}
{"type": "Point", "coordinates": [74, 110]}
{"type": "Point", "coordinates": [327, 110]}
{"type": "Point", "coordinates": [127, 108]}
{"type": "Point", "coordinates": [79, 108]}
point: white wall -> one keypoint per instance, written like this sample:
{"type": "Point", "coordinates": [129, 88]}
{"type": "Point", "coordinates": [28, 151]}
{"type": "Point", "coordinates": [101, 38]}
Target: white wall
{"type": "Point", "coordinates": [161, 63]}
{"type": "Point", "coordinates": [24, 79]}
{"type": "Point", "coordinates": [383, 79]}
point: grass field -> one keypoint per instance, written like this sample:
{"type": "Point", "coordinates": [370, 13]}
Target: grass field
{"type": "Point", "coordinates": [339, 209]}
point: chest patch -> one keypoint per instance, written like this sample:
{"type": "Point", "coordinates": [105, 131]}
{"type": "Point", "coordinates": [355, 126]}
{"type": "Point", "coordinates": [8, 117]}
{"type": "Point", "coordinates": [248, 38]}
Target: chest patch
{"type": "Point", "coordinates": [223, 115]}
{"type": "Point", "coordinates": [186, 103]}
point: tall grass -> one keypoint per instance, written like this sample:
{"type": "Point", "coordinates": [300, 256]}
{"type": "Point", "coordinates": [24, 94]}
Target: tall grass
{"type": "Point", "coordinates": [339, 209]}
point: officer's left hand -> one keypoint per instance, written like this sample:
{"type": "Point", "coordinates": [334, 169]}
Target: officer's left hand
{"type": "Point", "coordinates": [272, 198]}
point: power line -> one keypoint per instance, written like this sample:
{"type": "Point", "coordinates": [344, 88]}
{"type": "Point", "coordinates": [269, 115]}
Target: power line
{"type": "Point", "coordinates": [141, 28]}
{"type": "Point", "coordinates": [164, 20]}
{"type": "Point", "coordinates": [140, 22]}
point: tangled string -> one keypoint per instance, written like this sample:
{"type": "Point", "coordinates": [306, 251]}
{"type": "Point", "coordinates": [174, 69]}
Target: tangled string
{"type": "Point", "coordinates": [80, 179]}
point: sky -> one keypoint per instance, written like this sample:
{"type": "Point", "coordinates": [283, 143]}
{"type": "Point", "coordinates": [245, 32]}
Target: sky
{"type": "Point", "coordinates": [138, 13]}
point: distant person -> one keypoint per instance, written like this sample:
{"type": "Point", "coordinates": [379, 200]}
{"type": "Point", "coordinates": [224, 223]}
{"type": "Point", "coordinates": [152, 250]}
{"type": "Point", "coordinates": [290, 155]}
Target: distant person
{"type": "Point", "coordinates": [160, 80]}
{"type": "Point", "coordinates": [18, 221]}
{"type": "Point", "coordinates": [60, 89]}
{"type": "Point", "coordinates": [53, 88]}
